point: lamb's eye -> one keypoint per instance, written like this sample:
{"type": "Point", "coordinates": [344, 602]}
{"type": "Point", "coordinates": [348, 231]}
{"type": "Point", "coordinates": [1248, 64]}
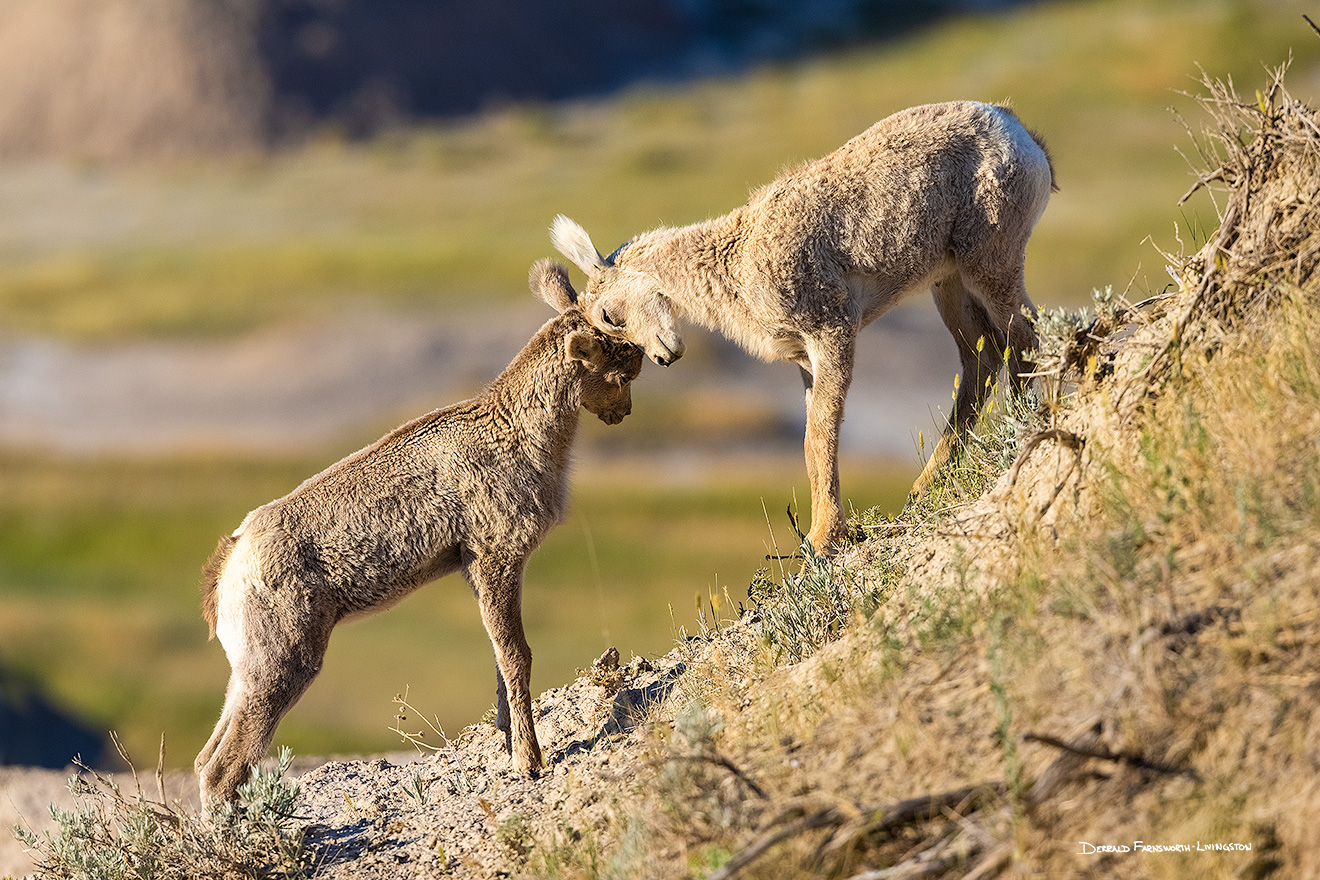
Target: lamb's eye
{"type": "Point", "coordinates": [605, 316]}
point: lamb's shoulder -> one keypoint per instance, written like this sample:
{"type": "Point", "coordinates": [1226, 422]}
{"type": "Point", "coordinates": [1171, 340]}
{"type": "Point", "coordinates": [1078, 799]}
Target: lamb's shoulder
{"type": "Point", "coordinates": [510, 483]}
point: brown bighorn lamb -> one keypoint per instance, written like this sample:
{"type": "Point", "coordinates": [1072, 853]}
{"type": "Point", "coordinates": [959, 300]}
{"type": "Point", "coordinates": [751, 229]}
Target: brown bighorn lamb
{"type": "Point", "coordinates": [473, 487]}
{"type": "Point", "coordinates": [941, 196]}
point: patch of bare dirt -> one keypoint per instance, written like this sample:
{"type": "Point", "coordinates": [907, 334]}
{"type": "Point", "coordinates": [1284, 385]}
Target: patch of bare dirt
{"type": "Point", "coordinates": [463, 811]}
{"type": "Point", "coordinates": [459, 811]}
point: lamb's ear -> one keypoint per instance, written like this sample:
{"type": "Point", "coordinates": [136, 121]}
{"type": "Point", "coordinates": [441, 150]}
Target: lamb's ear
{"type": "Point", "coordinates": [573, 242]}
{"type": "Point", "coordinates": [584, 346]}
{"type": "Point", "coordinates": [549, 281]}
{"type": "Point", "coordinates": [609, 261]}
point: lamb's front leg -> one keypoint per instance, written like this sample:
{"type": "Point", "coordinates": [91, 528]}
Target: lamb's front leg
{"type": "Point", "coordinates": [831, 369]}
{"type": "Point", "coordinates": [497, 582]}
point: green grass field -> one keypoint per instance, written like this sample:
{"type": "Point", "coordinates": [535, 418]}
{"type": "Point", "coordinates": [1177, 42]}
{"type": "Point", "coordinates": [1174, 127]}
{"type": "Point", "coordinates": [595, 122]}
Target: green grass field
{"type": "Point", "coordinates": [100, 562]}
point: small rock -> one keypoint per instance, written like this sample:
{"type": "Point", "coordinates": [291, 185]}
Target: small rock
{"type": "Point", "coordinates": [608, 661]}
{"type": "Point", "coordinates": [605, 670]}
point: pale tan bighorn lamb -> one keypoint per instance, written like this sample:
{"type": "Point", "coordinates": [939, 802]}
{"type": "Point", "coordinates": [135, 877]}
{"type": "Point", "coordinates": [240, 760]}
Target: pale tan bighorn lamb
{"type": "Point", "coordinates": [941, 196]}
{"type": "Point", "coordinates": [473, 487]}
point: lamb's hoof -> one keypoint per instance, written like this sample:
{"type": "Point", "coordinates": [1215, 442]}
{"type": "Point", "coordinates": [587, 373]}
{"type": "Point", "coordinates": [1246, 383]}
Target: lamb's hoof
{"type": "Point", "coordinates": [823, 548]}
{"type": "Point", "coordinates": [529, 768]}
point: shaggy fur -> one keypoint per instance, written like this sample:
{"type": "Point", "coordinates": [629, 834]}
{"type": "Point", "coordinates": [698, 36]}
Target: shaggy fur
{"type": "Point", "coordinates": [942, 196]}
{"type": "Point", "coordinates": [473, 487]}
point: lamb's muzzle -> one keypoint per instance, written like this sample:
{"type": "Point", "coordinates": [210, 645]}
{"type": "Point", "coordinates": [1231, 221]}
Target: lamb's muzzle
{"type": "Point", "coordinates": [673, 349]}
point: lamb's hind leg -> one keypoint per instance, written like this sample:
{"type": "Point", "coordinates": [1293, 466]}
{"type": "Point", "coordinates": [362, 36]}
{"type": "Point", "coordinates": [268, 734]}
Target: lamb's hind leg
{"type": "Point", "coordinates": [226, 717]}
{"type": "Point", "coordinates": [808, 383]}
{"type": "Point", "coordinates": [1003, 293]}
{"type": "Point", "coordinates": [980, 350]}
{"type": "Point", "coordinates": [501, 701]}
{"type": "Point", "coordinates": [263, 687]}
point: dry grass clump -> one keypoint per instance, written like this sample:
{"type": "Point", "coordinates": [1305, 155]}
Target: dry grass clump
{"type": "Point", "coordinates": [1116, 642]}
{"type": "Point", "coordinates": [1263, 152]}
{"type": "Point", "coordinates": [111, 835]}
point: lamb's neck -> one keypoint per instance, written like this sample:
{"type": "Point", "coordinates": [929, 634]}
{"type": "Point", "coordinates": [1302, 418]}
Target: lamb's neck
{"type": "Point", "coordinates": [538, 397]}
{"type": "Point", "coordinates": [696, 266]}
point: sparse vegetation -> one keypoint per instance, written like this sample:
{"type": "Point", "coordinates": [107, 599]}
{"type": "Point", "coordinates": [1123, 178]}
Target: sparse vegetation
{"type": "Point", "coordinates": [111, 835]}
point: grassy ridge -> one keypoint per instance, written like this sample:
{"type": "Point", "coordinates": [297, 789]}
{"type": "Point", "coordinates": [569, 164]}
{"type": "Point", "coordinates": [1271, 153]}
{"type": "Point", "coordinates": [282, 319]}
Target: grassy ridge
{"type": "Point", "coordinates": [458, 212]}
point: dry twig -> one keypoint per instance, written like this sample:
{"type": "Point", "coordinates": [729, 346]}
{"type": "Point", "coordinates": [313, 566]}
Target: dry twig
{"type": "Point", "coordinates": [417, 739]}
{"type": "Point", "coordinates": [884, 821]}
{"type": "Point", "coordinates": [1058, 435]}
{"type": "Point", "coordinates": [720, 761]}
{"type": "Point", "coordinates": [1132, 759]}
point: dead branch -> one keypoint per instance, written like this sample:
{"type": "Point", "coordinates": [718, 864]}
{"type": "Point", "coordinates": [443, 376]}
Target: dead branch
{"type": "Point", "coordinates": [921, 809]}
{"type": "Point", "coordinates": [720, 761]}
{"type": "Point", "coordinates": [822, 819]}
{"type": "Point", "coordinates": [1132, 759]}
{"type": "Point", "coordinates": [1058, 435]}
{"type": "Point", "coordinates": [417, 739]}
{"type": "Point", "coordinates": [1065, 767]}
{"type": "Point", "coordinates": [992, 864]}
{"type": "Point", "coordinates": [886, 820]}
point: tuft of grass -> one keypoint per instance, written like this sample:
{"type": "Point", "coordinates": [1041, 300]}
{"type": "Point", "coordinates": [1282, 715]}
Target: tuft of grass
{"type": "Point", "coordinates": [809, 609]}
{"type": "Point", "coordinates": [514, 835]}
{"type": "Point", "coordinates": [116, 836]}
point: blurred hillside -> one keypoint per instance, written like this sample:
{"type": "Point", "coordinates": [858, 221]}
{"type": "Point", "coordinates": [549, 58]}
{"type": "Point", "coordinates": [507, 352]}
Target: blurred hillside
{"type": "Point", "coordinates": [447, 213]}
{"type": "Point", "coordinates": [109, 79]}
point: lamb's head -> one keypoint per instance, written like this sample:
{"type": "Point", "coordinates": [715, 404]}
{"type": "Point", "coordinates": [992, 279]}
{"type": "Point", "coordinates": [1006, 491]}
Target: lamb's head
{"type": "Point", "coordinates": [619, 301]}
{"type": "Point", "coordinates": [610, 364]}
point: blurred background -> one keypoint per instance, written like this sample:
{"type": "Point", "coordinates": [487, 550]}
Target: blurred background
{"type": "Point", "coordinates": [241, 238]}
